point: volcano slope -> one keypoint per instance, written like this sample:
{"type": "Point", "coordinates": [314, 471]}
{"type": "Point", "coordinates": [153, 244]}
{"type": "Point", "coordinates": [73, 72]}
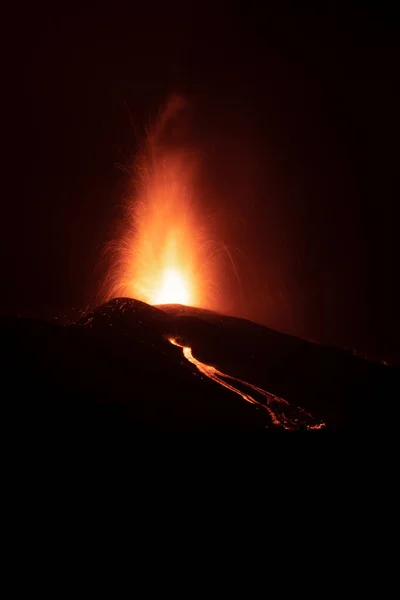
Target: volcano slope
{"type": "Point", "coordinates": [127, 367]}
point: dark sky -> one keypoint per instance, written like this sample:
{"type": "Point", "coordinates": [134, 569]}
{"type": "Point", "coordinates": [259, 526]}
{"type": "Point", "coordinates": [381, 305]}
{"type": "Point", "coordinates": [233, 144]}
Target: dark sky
{"type": "Point", "coordinates": [298, 115]}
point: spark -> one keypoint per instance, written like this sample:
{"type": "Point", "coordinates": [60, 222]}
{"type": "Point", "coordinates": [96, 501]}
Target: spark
{"type": "Point", "coordinates": [165, 251]}
{"type": "Point", "coordinates": [160, 257]}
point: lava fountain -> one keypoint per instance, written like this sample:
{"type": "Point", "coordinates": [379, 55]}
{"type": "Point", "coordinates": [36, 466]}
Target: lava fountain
{"type": "Point", "coordinates": [161, 258]}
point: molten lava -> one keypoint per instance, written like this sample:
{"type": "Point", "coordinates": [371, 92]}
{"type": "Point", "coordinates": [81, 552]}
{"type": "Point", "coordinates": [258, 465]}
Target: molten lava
{"type": "Point", "coordinates": [173, 289]}
{"type": "Point", "coordinates": [160, 258]}
{"type": "Point", "coordinates": [280, 412]}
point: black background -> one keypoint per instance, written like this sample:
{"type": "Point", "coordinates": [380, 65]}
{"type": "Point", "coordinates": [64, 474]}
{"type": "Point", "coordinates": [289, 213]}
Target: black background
{"type": "Point", "coordinates": [296, 111]}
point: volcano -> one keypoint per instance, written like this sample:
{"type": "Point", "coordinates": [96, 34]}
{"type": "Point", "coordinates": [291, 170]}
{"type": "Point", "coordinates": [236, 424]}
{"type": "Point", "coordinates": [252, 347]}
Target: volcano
{"type": "Point", "coordinates": [127, 367]}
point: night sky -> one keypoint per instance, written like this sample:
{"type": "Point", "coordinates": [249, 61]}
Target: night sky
{"type": "Point", "coordinates": [295, 113]}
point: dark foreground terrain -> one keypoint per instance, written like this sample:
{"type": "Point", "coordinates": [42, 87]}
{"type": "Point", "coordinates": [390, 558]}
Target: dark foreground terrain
{"type": "Point", "coordinates": [115, 374]}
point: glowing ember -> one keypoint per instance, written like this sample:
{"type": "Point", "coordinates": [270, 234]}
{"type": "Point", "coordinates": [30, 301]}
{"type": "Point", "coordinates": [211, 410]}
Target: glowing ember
{"type": "Point", "coordinates": [160, 258]}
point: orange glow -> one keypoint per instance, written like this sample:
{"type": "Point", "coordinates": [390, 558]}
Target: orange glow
{"type": "Point", "coordinates": [281, 413]}
{"type": "Point", "coordinates": [160, 258]}
{"type": "Point", "coordinates": [173, 289]}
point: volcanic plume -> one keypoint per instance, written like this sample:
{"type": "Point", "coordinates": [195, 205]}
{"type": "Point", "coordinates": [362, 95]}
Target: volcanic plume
{"type": "Point", "coordinates": [161, 255]}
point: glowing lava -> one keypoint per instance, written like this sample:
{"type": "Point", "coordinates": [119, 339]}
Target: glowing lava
{"type": "Point", "coordinates": [281, 413]}
{"type": "Point", "coordinates": [173, 289]}
{"type": "Point", "coordinates": [160, 256]}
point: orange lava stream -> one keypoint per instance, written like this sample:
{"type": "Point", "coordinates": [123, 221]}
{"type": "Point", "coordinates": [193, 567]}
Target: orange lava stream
{"type": "Point", "coordinates": [278, 418]}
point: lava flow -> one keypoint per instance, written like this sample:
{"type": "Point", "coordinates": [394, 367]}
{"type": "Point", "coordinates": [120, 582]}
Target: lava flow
{"type": "Point", "coordinates": [160, 258]}
{"type": "Point", "coordinates": [281, 413]}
